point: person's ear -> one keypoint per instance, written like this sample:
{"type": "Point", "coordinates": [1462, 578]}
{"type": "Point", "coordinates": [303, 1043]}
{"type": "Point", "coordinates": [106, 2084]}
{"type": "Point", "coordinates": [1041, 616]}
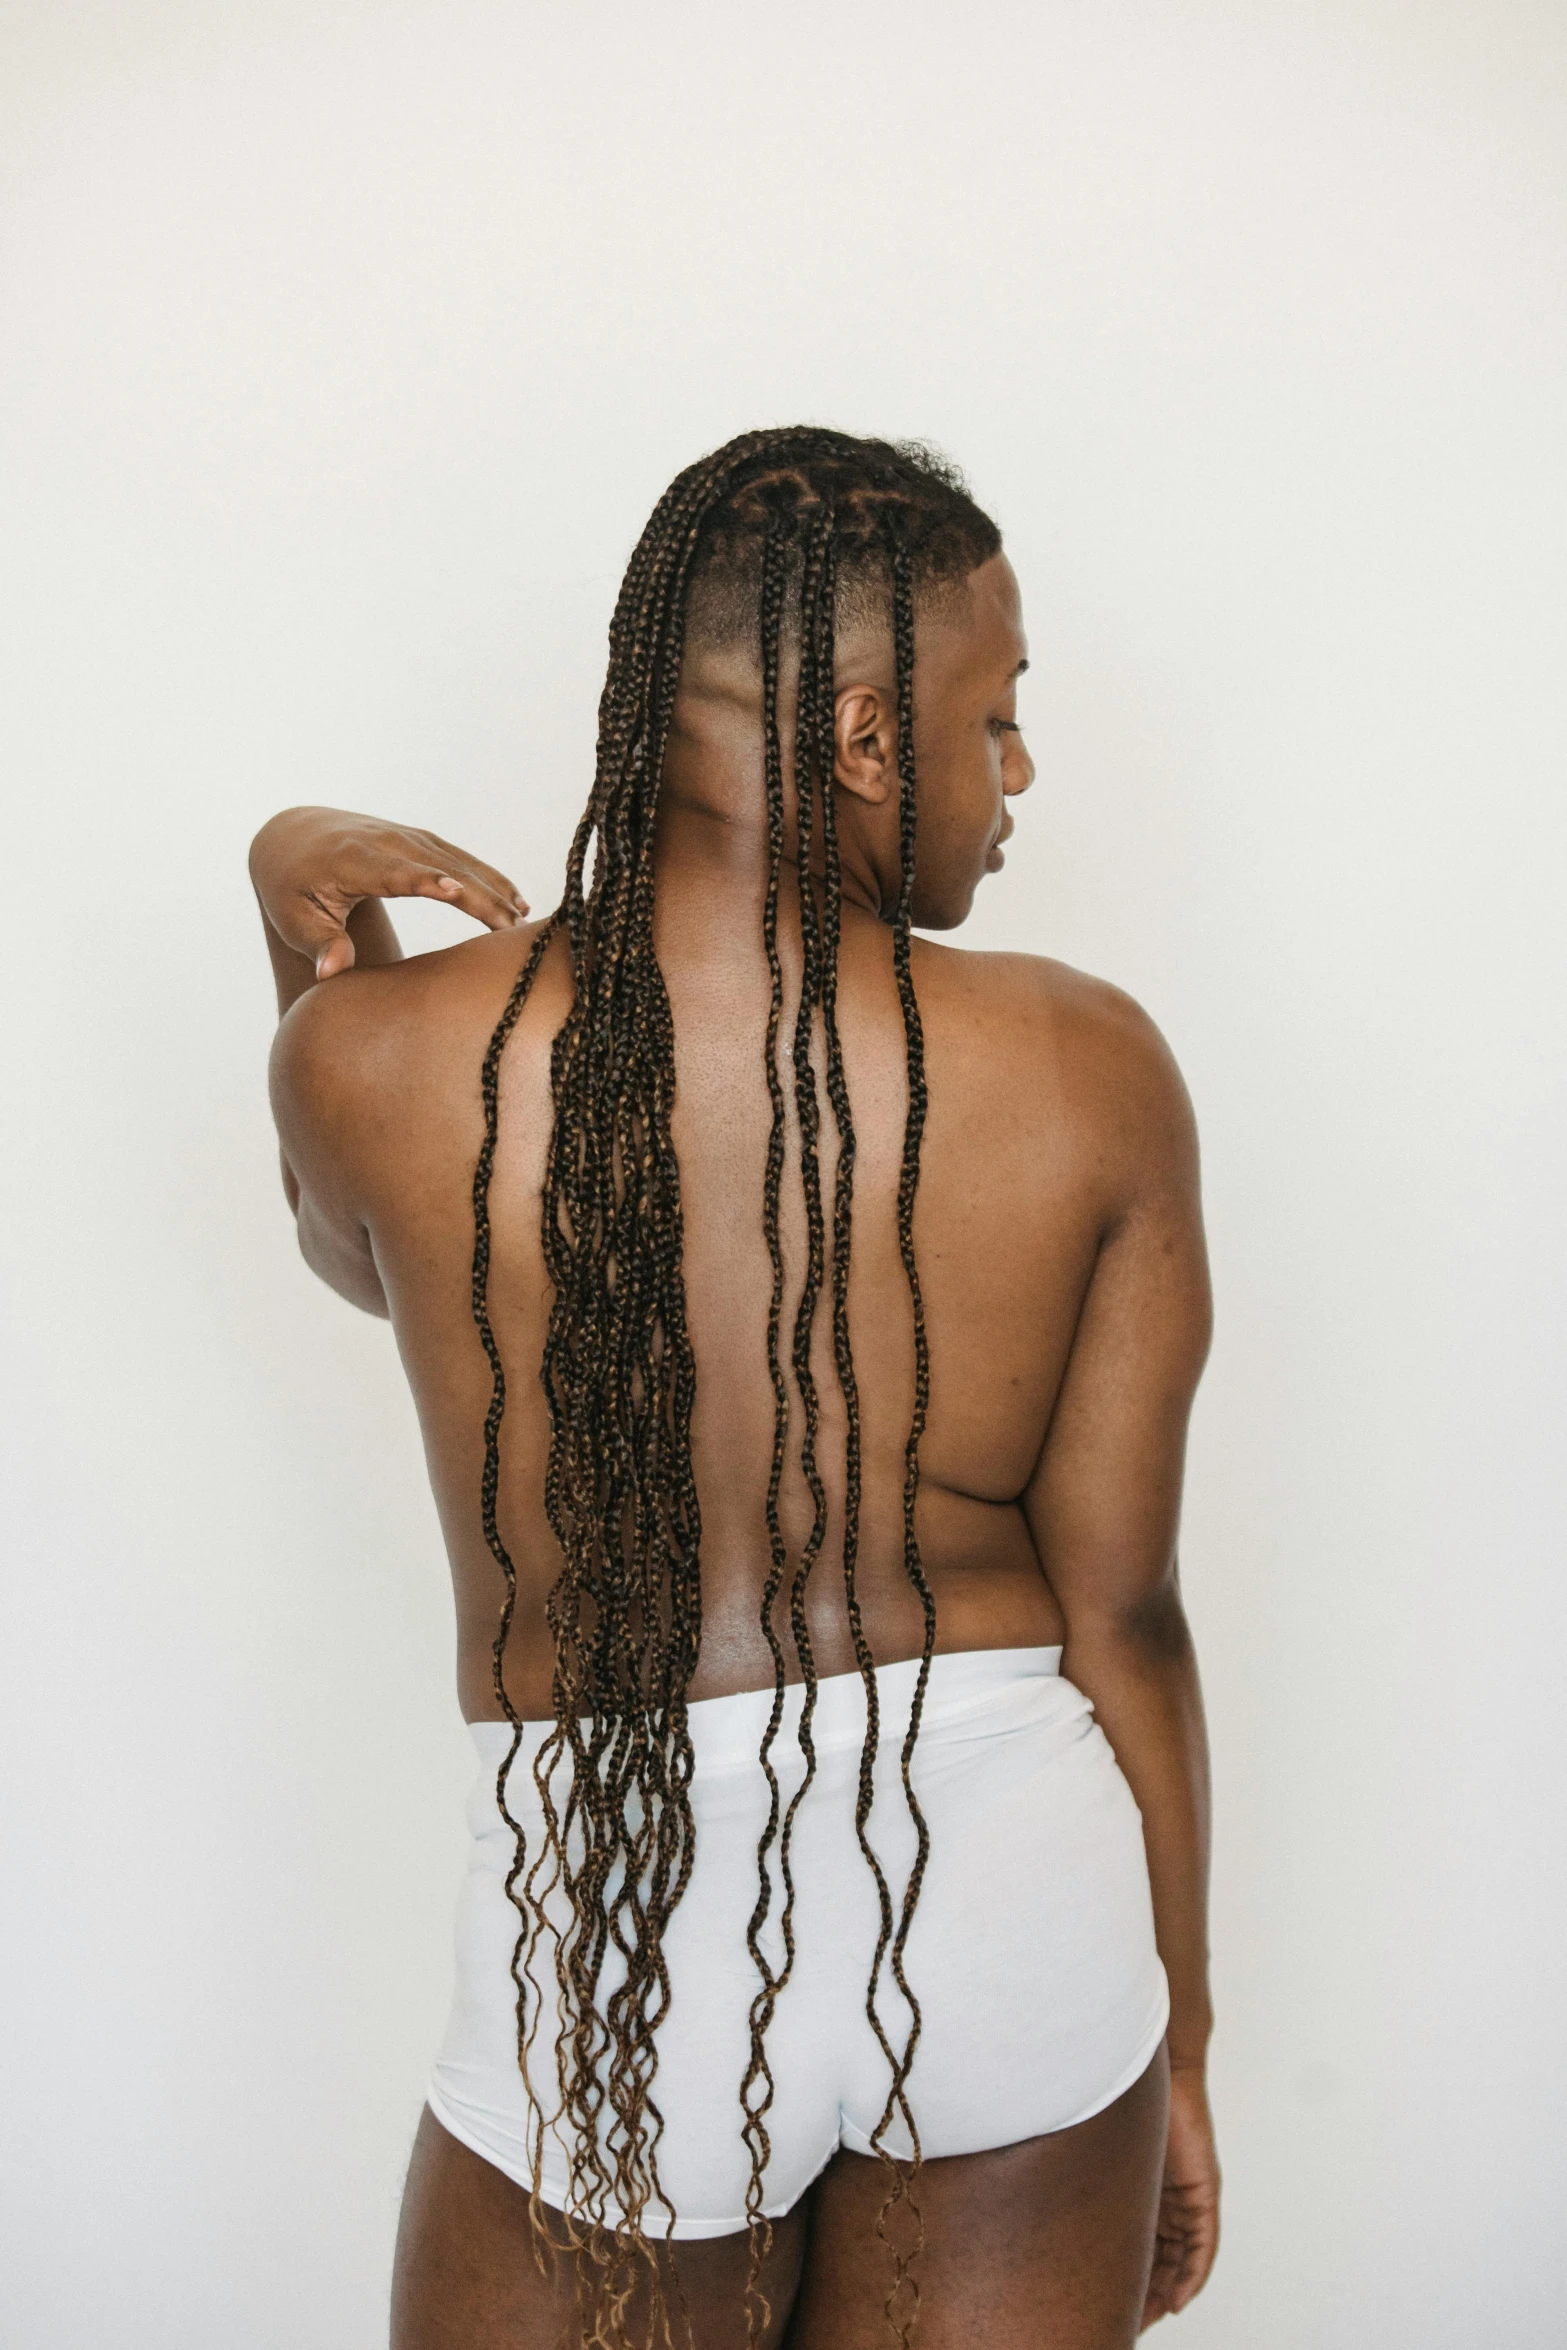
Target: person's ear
{"type": "Point", "coordinates": [866, 739]}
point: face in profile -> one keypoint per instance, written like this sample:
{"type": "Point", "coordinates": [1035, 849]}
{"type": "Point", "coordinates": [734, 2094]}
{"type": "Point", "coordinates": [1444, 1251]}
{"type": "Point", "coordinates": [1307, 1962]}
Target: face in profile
{"type": "Point", "coordinates": [970, 755]}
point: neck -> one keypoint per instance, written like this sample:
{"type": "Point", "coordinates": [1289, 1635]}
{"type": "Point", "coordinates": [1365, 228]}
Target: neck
{"type": "Point", "coordinates": [711, 841]}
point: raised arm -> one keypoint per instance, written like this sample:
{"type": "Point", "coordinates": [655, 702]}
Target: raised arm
{"type": "Point", "coordinates": [1104, 1507]}
{"type": "Point", "coordinates": [321, 876]}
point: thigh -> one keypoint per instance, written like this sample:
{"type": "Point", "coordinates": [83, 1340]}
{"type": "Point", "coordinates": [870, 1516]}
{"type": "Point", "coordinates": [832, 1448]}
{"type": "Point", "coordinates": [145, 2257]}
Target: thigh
{"type": "Point", "coordinates": [471, 2273]}
{"type": "Point", "coordinates": [1045, 2245]}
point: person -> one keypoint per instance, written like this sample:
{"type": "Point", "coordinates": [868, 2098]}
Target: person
{"type": "Point", "coordinates": [803, 1318]}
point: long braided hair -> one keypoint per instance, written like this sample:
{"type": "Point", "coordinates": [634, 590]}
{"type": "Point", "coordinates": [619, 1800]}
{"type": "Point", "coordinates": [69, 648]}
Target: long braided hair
{"type": "Point", "coordinates": [782, 531]}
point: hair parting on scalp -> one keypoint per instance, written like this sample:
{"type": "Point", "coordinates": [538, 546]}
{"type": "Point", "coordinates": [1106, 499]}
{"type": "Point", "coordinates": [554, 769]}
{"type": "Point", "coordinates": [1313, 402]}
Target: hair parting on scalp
{"type": "Point", "coordinates": [776, 536]}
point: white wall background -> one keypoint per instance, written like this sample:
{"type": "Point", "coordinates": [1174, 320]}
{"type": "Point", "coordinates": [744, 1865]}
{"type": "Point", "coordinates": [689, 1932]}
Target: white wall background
{"type": "Point", "coordinates": [344, 348]}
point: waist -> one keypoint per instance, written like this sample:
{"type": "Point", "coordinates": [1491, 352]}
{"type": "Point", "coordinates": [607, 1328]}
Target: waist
{"type": "Point", "coordinates": [967, 1692]}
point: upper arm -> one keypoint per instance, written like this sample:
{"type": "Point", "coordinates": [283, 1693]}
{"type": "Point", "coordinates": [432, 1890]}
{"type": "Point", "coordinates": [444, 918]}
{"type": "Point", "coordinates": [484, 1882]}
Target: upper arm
{"type": "Point", "coordinates": [318, 1077]}
{"type": "Point", "coordinates": [1103, 1502]}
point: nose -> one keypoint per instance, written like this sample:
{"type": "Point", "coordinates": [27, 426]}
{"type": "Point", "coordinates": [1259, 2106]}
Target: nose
{"type": "Point", "coordinates": [1018, 771]}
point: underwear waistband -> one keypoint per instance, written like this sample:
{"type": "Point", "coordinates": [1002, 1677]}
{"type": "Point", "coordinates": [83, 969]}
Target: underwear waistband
{"type": "Point", "coordinates": [968, 1690]}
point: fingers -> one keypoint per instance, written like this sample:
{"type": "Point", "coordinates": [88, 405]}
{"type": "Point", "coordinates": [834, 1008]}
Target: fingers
{"type": "Point", "coordinates": [314, 924]}
{"type": "Point", "coordinates": [487, 896]}
{"type": "Point", "coordinates": [314, 919]}
{"type": "Point", "coordinates": [489, 886]}
{"type": "Point", "coordinates": [1199, 2253]}
{"type": "Point", "coordinates": [1184, 2252]}
{"type": "Point", "coordinates": [337, 955]}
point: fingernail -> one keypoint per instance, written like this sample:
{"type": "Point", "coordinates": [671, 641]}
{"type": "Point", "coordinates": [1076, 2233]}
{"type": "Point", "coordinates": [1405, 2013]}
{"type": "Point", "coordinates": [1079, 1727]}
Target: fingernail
{"type": "Point", "coordinates": [445, 881]}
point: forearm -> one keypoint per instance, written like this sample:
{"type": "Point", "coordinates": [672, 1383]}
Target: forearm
{"type": "Point", "coordinates": [1141, 1674]}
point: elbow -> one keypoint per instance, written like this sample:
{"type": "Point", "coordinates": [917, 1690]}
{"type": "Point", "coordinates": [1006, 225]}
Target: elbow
{"type": "Point", "coordinates": [358, 1284]}
{"type": "Point", "coordinates": [1156, 1625]}
{"type": "Point", "coordinates": [345, 1264]}
{"type": "Point", "coordinates": [1148, 1632]}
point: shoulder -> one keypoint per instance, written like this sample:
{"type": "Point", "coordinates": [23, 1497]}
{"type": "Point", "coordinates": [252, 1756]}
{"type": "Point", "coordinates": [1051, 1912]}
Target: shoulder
{"type": "Point", "coordinates": [361, 1061]}
{"type": "Point", "coordinates": [369, 1027]}
{"type": "Point", "coordinates": [1077, 1046]}
{"type": "Point", "coordinates": [1046, 1006]}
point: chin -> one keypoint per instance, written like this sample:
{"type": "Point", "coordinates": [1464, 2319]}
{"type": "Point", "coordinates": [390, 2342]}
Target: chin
{"type": "Point", "coordinates": [942, 911]}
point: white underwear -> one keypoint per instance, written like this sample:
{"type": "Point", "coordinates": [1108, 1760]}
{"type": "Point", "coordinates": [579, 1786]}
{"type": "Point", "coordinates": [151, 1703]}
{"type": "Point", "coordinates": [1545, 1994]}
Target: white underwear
{"type": "Point", "coordinates": [1031, 1951]}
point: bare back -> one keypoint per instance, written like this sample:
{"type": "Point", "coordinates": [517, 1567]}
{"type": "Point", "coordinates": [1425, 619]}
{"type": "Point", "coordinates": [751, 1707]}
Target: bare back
{"type": "Point", "coordinates": [1041, 1088]}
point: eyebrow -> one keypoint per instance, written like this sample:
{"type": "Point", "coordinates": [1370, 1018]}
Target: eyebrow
{"type": "Point", "coordinates": [1022, 665]}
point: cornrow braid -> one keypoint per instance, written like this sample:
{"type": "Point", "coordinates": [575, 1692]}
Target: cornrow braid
{"type": "Point", "coordinates": [787, 530]}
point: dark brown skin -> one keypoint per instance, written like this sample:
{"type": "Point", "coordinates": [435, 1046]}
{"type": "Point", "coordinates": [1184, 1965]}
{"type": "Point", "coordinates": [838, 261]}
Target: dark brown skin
{"type": "Point", "coordinates": [1060, 1245]}
{"type": "Point", "coordinates": [1042, 2246]}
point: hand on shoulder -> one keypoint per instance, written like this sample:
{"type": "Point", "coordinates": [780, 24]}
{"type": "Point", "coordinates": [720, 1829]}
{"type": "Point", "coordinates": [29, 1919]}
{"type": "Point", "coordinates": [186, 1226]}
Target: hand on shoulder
{"type": "Point", "coordinates": [312, 866]}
